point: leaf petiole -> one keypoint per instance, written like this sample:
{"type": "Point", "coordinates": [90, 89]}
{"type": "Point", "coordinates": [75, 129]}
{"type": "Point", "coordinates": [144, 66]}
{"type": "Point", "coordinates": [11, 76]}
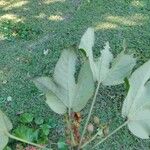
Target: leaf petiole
{"type": "Point", "coordinates": [24, 141]}
{"type": "Point", "coordinates": [93, 138]}
{"type": "Point", "coordinates": [112, 133]}
{"type": "Point", "coordinates": [89, 115]}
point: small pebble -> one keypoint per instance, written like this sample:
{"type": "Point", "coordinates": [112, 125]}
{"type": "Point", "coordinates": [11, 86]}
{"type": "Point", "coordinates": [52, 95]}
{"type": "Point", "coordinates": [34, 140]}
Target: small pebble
{"type": "Point", "coordinates": [45, 52]}
{"type": "Point", "coordinates": [9, 98]}
{"type": "Point", "coordinates": [4, 81]}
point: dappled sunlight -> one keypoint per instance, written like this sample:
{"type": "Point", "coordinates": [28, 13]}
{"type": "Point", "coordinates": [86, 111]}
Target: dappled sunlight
{"type": "Point", "coordinates": [56, 18]}
{"type": "Point", "coordinates": [34, 34]}
{"type": "Point", "coordinates": [132, 20]}
{"type": "Point", "coordinates": [52, 1]}
{"type": "Point", "coordinates": [3, 3]}
{"type": "Point", "coordinates": [113, 22]}
{"type": "Point", "coordinates": [12, 17]}
{"type": "Point", "coordinates": [137, 3]}
{"type": "Point", "coordinates": [105, 25]}
{"type": "Point", "coordinates": [2, 37]}
{"type": "Point", "coordinates": [16, 5]}
{"type": "Point", "coordinates": [41, 15]}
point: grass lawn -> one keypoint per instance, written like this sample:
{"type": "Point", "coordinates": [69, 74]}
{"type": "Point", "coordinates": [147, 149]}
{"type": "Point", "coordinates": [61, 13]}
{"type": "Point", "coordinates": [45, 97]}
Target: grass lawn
{"type": "Point", "coordinates": [61, 23]}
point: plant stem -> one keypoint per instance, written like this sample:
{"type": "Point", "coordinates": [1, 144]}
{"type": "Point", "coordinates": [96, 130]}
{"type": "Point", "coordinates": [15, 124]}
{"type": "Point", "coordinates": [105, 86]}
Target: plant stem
{"type": "Point", "coordinates": [104, 139]}
{"type": "Point", "coordinates": [93, 138]}
{"type": "Point", "coordinates": [89, 115]}
{"type": "Point", "coordinates": [69, 125]}
{"type": "Point", "coordinates": [24, 141]}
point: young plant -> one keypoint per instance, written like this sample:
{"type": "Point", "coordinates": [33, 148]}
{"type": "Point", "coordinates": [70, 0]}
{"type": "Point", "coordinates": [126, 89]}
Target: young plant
{"type": "Point", "coordinates": [34, 129]}
{"type": "Point", "coordinates": [67, 95]}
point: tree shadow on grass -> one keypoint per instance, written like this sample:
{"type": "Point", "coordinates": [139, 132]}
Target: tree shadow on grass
{"type": "Point", "coordinates": [62, 23]}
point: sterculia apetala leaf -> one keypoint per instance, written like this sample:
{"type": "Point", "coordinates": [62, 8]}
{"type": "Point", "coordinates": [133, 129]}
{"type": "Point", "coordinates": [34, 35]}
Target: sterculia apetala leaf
{"type": "Point", "coordinates": [62, 91]}
{"type": "Point", "coordinates": [5, 127]}
{"type": "Point", "coordinates": [136, 107]}
{"type": "Point", "coordinates": [103, 72]}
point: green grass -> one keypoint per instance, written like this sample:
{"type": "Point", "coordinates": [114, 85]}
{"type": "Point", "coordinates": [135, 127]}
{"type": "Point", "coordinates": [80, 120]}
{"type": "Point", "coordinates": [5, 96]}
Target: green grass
{"type": "Point", "coordinates": [62, 24]}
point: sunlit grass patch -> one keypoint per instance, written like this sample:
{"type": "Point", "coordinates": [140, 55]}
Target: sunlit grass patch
{"type": "Point", "coordinates": [105, 26]}
{"type": "Point", "coordinates": [132, 20]}
{"type": "Point", "coordinates": [56, 18]}
{"type": "Point", "coordinates": [16, 5]}
{"type": "Point", "coordinates": [13, 17]}
{"type": "Point", "coordinates": [52, 1]}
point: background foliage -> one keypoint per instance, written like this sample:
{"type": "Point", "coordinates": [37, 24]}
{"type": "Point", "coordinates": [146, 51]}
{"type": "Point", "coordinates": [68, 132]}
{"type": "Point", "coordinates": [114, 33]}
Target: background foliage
{"type": "Point", "coordinates": [62, 24]}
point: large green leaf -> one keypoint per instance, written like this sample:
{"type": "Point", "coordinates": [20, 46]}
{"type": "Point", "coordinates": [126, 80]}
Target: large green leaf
{"type": "Point", "coordinates": [64, 75]}
{"type": "Point", "coordinates": [84, 88]}
{"type": "Point", "coordinates": [63, 92]}
{"type": "Point", "coordinates": [55, 104]}
{"type": "Point", "coordinates": [5, 126]}
{"type": "Point", "coordinates": [136, 107]}
{"type": "Point", "coordinates": [102, 72]}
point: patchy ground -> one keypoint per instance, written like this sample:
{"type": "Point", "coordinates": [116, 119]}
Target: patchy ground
{"type": "Point", "coordinates": [61, 23]}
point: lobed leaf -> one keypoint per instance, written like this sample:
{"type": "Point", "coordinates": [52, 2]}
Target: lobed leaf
{"type": "Point", "coordinates": [64, 92]}
{"type": "Point", "coordinates": [136, 107]}
{"type": "Point", "coordinates": [102, 72]}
